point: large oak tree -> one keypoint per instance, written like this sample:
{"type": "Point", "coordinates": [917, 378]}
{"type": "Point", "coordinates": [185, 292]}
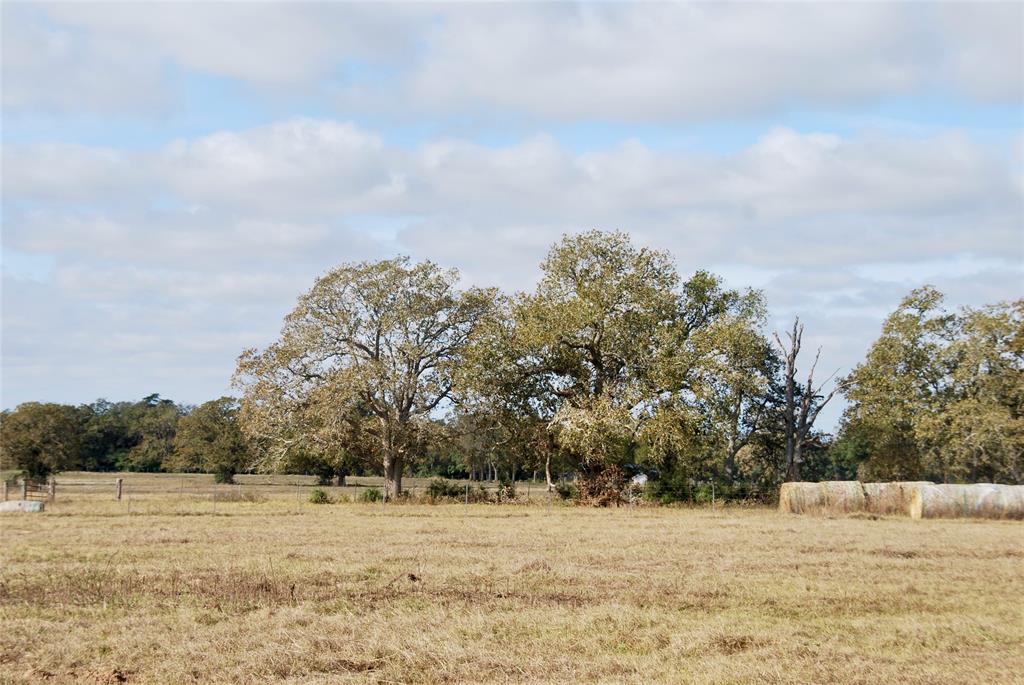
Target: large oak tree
{"type": "Point", "coordinates": [612, 350]}
{"type": "Point", "coordinates": [363, 360]}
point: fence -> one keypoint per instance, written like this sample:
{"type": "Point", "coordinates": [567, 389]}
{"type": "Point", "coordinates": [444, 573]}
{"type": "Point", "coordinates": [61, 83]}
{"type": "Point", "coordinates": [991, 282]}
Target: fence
{"type": "Point", "coordinates": [201, 493]}
{"type": "Point", "coordinates": [30, 490]}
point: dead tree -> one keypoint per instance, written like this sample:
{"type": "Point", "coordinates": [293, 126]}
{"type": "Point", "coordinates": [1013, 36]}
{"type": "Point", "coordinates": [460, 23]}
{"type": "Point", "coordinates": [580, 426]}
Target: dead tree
{"type": "Point", "coordinates": [799, 415]}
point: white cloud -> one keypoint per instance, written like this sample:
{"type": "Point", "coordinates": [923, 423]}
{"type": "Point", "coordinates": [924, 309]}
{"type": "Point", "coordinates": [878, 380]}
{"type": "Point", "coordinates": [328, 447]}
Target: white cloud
{"type": "Point", "coordinates": [627, 62]}
{"type": "Point", "coordinates": [56, 68]}
{"type": "Point", "coordinates": [289, 188]}
{"type": "Point", "coordinates": [296, 167]}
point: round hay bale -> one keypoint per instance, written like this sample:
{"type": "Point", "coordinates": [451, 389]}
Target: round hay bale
{"type": "Point", "coordinates": [981, 500]}
{"type": "Point", "coordinates": [843, 496]}
{"type": "Point", "coordinates": [801, 498]}
{"type": "Point", "coordinates": [890, 498]}
{"type": "Point", "coordinates": [829, 497]}
{"type": "Point", "coordinates": [989, 500]}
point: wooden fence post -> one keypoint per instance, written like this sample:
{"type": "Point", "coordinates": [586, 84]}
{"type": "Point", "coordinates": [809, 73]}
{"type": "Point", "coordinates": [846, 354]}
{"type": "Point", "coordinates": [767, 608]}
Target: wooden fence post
{"type": "Point", "coordinates": [120, 482]}
{"type": "Point", "coordinates": [24, 488]}
{"type": "Point", "coordinates": [5, 490]}
{"type": "Point", "coordinates": [53, 489]}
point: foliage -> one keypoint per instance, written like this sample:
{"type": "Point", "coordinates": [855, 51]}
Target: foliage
{"type": "Point", "coordinates": [506, 491]}
{"type": "Point", "coordinates": [41, 439]}
{"type": "Point", "coordinates": [364, 358]}
{"type": "Point", "coordinates": [371, 495]}
{"type": "Point", "coordinates": [209, 440]}
{"type": "Point", "coordinates": [439, 488]}
{"type": "Point", "coordinates": [603, 488]}
{"type": "Point", "coordinates": [566, 491]}
{"type": "Point", "coordinates": [613, 355]}
{"type": "Point", "coordinates": [153, 422]}
{"type": "Point", "coordinates": [318, 496]}
{"type": "Point", "coordinates": [941, 395]}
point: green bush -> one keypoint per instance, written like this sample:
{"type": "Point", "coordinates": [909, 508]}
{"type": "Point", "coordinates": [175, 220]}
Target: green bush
{"type": "Point", "coordinates": [439, 488]}
{"type": "Point", "coordinates": [371, 495]}
{"type": "Point", "coordinates": [565, 491]}
{"type": "Point", "coordinates": [318, 496]}
{"type": "Point", "coordinates": [224, 474]}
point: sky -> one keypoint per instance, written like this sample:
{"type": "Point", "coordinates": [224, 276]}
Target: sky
{"type": "Point", "coordinates": [175, 175]}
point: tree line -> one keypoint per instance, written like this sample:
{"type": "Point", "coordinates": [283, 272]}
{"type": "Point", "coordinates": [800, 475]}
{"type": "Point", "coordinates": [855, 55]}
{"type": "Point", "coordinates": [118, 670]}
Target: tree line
{"type": "Point", "coordinates": [613, 365]}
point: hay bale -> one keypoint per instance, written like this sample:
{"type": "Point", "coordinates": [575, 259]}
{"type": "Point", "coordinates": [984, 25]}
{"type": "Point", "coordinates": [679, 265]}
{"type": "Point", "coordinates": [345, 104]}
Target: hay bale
{"type": "Point", "coordinates": [830, 497]}
{"type": "Point", "coordinates": [843, 496]}
{"type": "Point", "coordinates": [890, 498]}
{"type": "Point", "coordinates": [801, 498]}
{"type": "Point", "coordinates": [981, 500]}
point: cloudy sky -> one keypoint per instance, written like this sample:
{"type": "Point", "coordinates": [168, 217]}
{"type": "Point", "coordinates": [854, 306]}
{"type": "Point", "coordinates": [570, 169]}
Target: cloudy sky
{"type": "Point", "coordinates": [175, 175]}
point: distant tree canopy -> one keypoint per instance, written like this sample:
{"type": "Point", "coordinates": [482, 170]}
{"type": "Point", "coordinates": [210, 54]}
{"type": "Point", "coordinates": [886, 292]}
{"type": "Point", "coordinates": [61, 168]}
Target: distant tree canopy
{"type": "Point", "coordinates": [941, 395]}
{"type": "Point", "coordinates": [612, 365]}
{"type": "Point", "coordinates": [209, 440]}
{"type": "Point", "coordinates": [42, 438]}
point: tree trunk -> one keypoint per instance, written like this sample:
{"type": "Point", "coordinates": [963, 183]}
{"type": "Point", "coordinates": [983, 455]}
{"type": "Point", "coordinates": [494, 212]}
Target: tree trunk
{"type": "Point", "coordinates": [794, 455]}
{"type": "Point", "coordinates": [547, 472]}
{"type": "Point", "coordinates": [730, 460]}
{"type": "Point", "coordinates": [393, 478]}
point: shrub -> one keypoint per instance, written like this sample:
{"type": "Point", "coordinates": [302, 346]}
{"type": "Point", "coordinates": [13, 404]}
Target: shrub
{"type": "Point", "coordinates": [603, 488]}
{"type": "Point", "coordinates": [318, 496]}
{"type": "Point", "coordinates": [565, 491]}
{"type": "Point", "coordinates": [439, 488]}
{"type": "Point", "coordinates": [224, 474]}
{"type": "Point", "coordinates": [371, 495]}
{"type": "Point", "coordinates": [506, 491]}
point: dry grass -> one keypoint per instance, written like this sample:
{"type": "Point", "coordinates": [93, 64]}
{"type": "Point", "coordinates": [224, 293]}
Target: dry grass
{"type": "Point", "coordinates": [352, 593]}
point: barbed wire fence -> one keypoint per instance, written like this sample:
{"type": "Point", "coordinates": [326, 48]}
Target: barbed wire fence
{"type": "Point", "coordinates": [200, 494]}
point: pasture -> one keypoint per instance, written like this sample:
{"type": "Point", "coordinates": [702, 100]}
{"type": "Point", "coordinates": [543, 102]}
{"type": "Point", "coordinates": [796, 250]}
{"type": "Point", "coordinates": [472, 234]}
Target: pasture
{"type": "Point", "coordinates": [168, 589]}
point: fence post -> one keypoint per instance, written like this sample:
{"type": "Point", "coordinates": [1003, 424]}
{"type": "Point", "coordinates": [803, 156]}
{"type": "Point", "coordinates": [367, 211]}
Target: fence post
{"type": "Point", "coordinates": [24, 488]}
{"type": "Point", "coordinates": [120, 484]}
{"type": "Point", "coordinates": [53, 489]}
{"type": "Point", "coordinates": [5, 490]}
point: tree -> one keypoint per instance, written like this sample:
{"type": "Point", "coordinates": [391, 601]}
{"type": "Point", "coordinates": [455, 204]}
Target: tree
{"type": "Point", "coordinates": [41, 439]}
{"type": "Point", "coordinates": [940, 395]}
{"type": "Point", "coordinates": [979, 435]}
{"type": "Point", "coordinates": [108, 435]}
{"type": "Point", "coordinates": [366, 356]}
{"type": "Point", "coordinates": [578, 354]}
{"type": "Point", "coordinates": [152, 423]}
{"type": "Point", "coordinates": [609, 353]}
{"type": "Point", "coordinates": [801, 408]}
{"type": "Point", "coordinates": [735, 389]}
{"type": "Point", "coordinates": [209, 440]}
{"type": "Point", "coordinates": [901, 379]}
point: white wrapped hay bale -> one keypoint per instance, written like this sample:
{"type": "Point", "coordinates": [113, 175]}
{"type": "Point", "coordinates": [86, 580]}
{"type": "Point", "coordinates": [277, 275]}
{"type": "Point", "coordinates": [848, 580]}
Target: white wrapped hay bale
{"type": "Point", "coordinates": [830, 497]}
{"type": "Point", "coordinates": [890, 498]}
{"type": "Point", "coordinates": [981, 500]}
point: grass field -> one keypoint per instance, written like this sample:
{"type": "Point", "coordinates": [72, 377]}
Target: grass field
{"type": "Point", "coordinates": [299, 593]}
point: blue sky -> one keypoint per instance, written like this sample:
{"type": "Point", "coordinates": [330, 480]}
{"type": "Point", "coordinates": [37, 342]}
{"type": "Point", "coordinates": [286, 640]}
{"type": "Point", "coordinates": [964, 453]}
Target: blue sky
{"type": "Point", "coordinates": [175, 175]}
